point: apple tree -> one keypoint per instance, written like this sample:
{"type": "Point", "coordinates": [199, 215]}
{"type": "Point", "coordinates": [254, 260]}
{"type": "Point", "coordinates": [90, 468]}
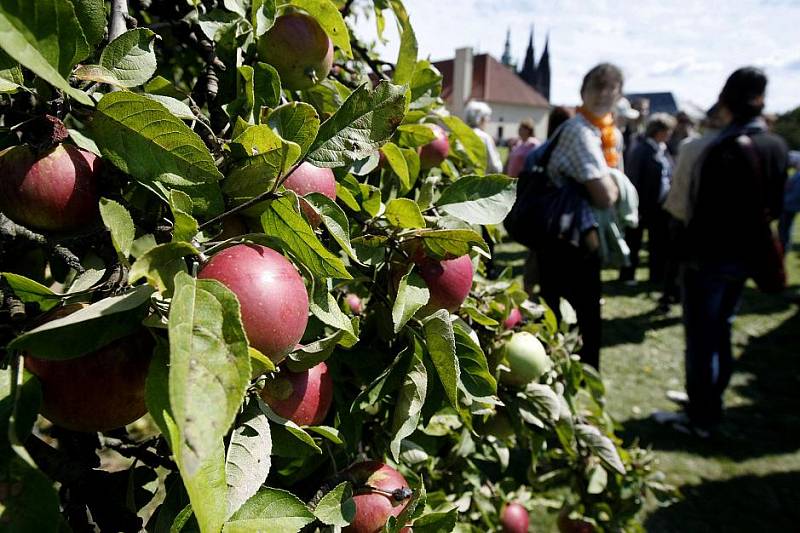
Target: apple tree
{"type": "Point", "coordinates": [243, 288]}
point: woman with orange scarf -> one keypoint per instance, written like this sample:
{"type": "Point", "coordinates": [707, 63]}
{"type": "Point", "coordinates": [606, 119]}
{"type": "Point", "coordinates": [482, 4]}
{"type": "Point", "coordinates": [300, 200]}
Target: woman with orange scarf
{"type": "Point", "coordinates": [588, 146]}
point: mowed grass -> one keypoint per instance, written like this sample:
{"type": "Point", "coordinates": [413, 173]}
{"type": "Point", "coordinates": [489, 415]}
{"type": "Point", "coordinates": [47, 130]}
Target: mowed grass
{"type": "Point", "coordinates": [747, 477]}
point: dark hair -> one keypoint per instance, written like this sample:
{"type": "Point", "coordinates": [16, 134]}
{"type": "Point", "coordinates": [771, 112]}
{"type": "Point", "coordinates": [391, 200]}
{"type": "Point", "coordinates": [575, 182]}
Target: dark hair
{"type": "Point", "coordinates": [601, 75]}
{"type": "Point", "coordinates": [741, 91]}
{"type": "Point", "coordinates": [557, 116]}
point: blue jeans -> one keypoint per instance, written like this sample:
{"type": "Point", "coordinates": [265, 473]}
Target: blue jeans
{"type": "Point", "coordinates": [711, 294]}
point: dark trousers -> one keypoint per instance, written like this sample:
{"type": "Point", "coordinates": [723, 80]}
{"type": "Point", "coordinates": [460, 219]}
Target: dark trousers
{"type": "Point", "coordinates": [674, 254]}
{"type": "Point", "coordinates": [711, 296]}
{"type": "Point", "coordinates": [574, 274]}
{"type": "Point", "coordinates": [657, 226]}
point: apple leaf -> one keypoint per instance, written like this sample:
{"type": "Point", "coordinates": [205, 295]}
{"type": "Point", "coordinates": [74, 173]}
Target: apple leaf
{"type": "Point", "coordinates": [332, 434]}
{"type": "Point", "coordinates": [45, 37]}
{"type": "Point", "coordinates": [442, 349]}
{"type": "Point", "coordinates": [360, 126]}
{"type": "Point", "coordinates": [601, 446]}
{"type": "Point", "coordinates": [130, 57]}
{"type": "Point", "coordinates": [297, 122]}
{"type": "Point", "coordinates": [415, 135]}
{"type": "Point", "coordinates": [404, 213]}
{"type": "Point", "coordinates": [312, 354]}
{"type": "Point", "coordinates": [410, 400]}
{"type": "Point", "coordinates": [437, 522]}
{"type": "Point", "coordinates": [472, 144]}
{"type": "Point", "coordinates": [427, 80]}
{"type": "Point", "coordinates": [300, 441]}
{"type": "Point", "coordinates": [479, 199]}
{"type": "Point", "coordinates": [174, 105]}
{"type": "Point", "coordinates": [273, 510]}
{"type": "Point", "coordinates": [544, 400]}
{"type": "Point", "coordinates": [412, 295]}
{"type": "Point", "coordinates": [407, 54]}
{"type": "Point", "coordinates": [324, 306]}
{"type": "Point", "coordinates": [476, 378]}
{"type": "Point", "coordinates": [30, 291]}
{"type": "Point", "coordinates": [29, 503]}
{"type": "Point", "coordinates": [262, 16]}
{"type": "Point", "coordinates": [328, 16]}
{"type": "Point", "coordinates": [398, 163]}
{"type": "Point", "coordinates": [11, 78]}
{"type": "Point", "coordinates": [413, 509]}
{"type": "Point", "coordinates": [337, 508]}
{"type": "Point", "coordinates": [92, 18]}
{"type": "Point", "coordinates": [160, 264]}
{"type": "Point", "coordinates": [335, 221]}
{"type": "Point", "coordinates": [142, 138]}
{"type": "Point", "coordinates": [209, 366]}
{"type": "Point", "coordinates": [450, 243]}
{"type": "Point", "coordinates": [205, 482]}
{"type": "Point", "coordinates": [87, 329]}
{"type": "Point", "coordinates": [248, 461]}
{"type": "Point", "coordinates": [119, 222]}
{"type": "Point", "coordinates": [282, 220]}
{"type": "Point", "coordinates": [186, 226]}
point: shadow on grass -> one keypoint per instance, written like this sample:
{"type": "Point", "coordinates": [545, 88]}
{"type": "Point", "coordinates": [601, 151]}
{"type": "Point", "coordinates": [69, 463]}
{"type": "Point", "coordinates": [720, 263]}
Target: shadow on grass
{"type": "Point", "coordinates": [769, 423]}
{"type": "Point", "coordinates": [742, 504]}
{"type": "Point", "coordinates": [632, 329]}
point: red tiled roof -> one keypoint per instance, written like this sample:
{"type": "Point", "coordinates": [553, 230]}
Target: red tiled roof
{"type": "Point", "coordinates": [492, 82]}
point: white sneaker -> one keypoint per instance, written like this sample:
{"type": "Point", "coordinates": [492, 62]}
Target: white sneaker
{"type": "Point", "coordinates": [678, 396]}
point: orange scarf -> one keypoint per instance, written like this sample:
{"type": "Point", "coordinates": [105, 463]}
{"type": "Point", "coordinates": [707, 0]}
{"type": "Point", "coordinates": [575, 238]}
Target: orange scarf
{"type": "Point", "coordinates": [608, 134]}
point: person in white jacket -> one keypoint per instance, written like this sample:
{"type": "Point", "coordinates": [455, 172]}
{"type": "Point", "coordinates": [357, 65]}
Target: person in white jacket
{"type": "Point", "coordinates": [477, 115]}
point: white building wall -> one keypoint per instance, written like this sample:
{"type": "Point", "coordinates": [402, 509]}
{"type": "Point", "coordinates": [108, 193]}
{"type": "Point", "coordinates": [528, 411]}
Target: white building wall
{"type": "Point", "coordinates": [508, 116]}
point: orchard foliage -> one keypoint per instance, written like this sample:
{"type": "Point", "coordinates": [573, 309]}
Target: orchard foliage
{"type": "Point", "coordinates": [194, 263]}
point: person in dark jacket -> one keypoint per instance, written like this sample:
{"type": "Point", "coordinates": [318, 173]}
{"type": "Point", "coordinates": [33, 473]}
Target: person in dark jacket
{"type": "Point", "coordinates": [650, 170]}
{"type": "Point", "coordinates": [738, 179]}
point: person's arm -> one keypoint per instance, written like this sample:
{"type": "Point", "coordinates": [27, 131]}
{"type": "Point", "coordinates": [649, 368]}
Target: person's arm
{"type": "Point", "coordinates": [603, 191]}
{"type": "Point", "coordinates": [493, 162]}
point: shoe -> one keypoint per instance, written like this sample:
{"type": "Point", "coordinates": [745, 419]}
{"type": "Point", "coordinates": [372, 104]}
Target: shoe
{"type": "Point", "coordinates": [680, 422]}
{"type": "Point", "coordinates": [678, 396]}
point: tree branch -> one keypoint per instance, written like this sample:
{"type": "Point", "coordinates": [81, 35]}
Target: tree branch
{"type": "Point", "coordinates": [119, 16]}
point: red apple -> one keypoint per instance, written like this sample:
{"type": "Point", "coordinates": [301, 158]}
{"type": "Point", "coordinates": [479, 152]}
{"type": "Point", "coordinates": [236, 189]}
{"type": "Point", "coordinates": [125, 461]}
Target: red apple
{"type": "Point", "coordinates": [99, 391]}
{"type": "Point", "coordinates": [374, 508]}
{"type": "Point", "coordinates": [302, 397]}
{"type": "Point", "coordinates": [514, 318]}
{"type": "Point", "coordinates": [449, 281]}
{"type": "Point", "coordinates": [573, 525]}
{"type": "Point", "coordinates": [55, 191]}
{"type": "Point", "coordinates": [271, 293]}
{"type": "Point", "coordinates": [514, 518]}
{"type": "Point", "coordinates": [354, 303]}
{"type": "Point", "coordinates": [435, 152]}
{"type": "Point", "coordinates": [307, 179]}
{"type": "Point", "coordinates": [299, 49]}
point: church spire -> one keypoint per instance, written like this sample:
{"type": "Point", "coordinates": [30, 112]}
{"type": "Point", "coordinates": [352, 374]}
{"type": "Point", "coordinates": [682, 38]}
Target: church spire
{"type": "Point", "coordinates": [528, 72]}
{"type": "Point", "coordinates": [507, 61]}
{"type": "Point", "coordinates": [543, 71]}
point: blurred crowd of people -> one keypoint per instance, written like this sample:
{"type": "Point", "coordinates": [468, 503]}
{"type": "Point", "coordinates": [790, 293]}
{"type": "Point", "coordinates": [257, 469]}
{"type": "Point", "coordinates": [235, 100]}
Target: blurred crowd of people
{"type": "Point", "coordinates": [704, 193]}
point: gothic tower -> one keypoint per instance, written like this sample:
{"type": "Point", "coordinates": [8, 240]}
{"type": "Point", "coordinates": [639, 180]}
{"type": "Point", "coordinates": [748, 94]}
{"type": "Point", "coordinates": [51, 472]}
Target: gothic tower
{"type": "Point", "coordinates": [506, 59]}
{"type": "Point", "coordinates": [543, 71]}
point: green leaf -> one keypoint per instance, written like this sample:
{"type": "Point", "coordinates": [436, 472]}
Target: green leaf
{"type": "Point", "coordinates": [273, 510]}
{"type": "Point", "coordinates": [442, 349]}
{"type": "Point", "coordinates": [87, 329]}
{"type": "Point", "coordinates": [92, 18]}
{"type": "Point", "coordinates": [473, 145]}
{"type": "Point", "coordinates": [334, 220]}
{"type": "Point", "coordinates": [262, 16]}
{"type": "Point", "coordinates": [130, 57]}
{"type": "Point", "coordinates": [248, 460]}
{"type": "Point", "coordinates": [439, 522]}
{"type": "Point", "coordinates": [283, 221]}
{"type": "Point", "coordinates": [598, 480]}
{"type": "Point", "coordinates": [297, 122]}
{"type": "Point", "coordinates": [142, 138]}
{"type": "Point", "coordinates": [398, 163]}
{"type": "Point", "coordinates": [413, 509]}
{"type": "Point", "coordinates": [409, 401]}
{"type": "Point", "coordinates": [332, 434]}
{"type": "Point", "coordinates": [415, 135]}
{"type": "Point", "coordinates": [412, 295]}
{"type": "Point", "coordinates": [407, 55]}
{"type": "Point", "coordinates": [312, 354]}
{"type": "Point", "coordinates": [175, 106]}
{"type": "Point", "coordinates": [186, 226]}
{"type": "Point", "coordinates": [361, 125]}
{"type": "Point", "coordinates": [30, 291]}
{"type": "Point", "coordinates": [601, 446]}
{"type": "Point", "coordinates": [267, 85]}
{"type": "Point", "coordinates": [544, 400]}
{"type": "Point", "coordinates": [475, 375]}
{"type": "Point", "coordinates": [160, 264]}
{"type": "Point", "coordinates": [84, 142]}
{"type": "Point", "coordinates": [479, 199]}
{"type": "Point", "coordinates": [119, 222]}
{"type": "Point", "coordinates": [337, 508]}
{"type": "Point", "coordinates": [450, 243]}
{"type": "Point", "coordinates": [45, 37]}
{"type": "Point", "coordinates": [260, 363]}
{"type": "Point", "coordinates": [324, 306]}
{"type": "Point", "coordinates": [161, 86]}
{"type": "Point", "coordinates": [97, 74]}
{"type": "Point", "coordinates": [427, 79]}
{"type": "Point", "coordinates": [209, 366]}
{"type": "Point", "coordinates": [404, 213]}
{"type": "Point", "coordinates": [11, 78]}
{"type": "Point", "coordinates": [29, 503]}
{"type": "Point", "coordinates": [295, 431]}
{"type": "Point", "coordinates": [328, 16]}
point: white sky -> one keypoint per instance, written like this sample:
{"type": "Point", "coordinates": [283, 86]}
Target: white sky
{"type": "Point", "coordinates": [688, 47]}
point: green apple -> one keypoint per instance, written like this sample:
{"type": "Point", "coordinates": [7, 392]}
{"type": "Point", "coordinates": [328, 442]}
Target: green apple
{"type": "Point", "coordinates": [527, 359]}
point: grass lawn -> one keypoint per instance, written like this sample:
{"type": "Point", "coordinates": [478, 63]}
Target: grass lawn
{"type": "Point", "coordinates": [746, 478]}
